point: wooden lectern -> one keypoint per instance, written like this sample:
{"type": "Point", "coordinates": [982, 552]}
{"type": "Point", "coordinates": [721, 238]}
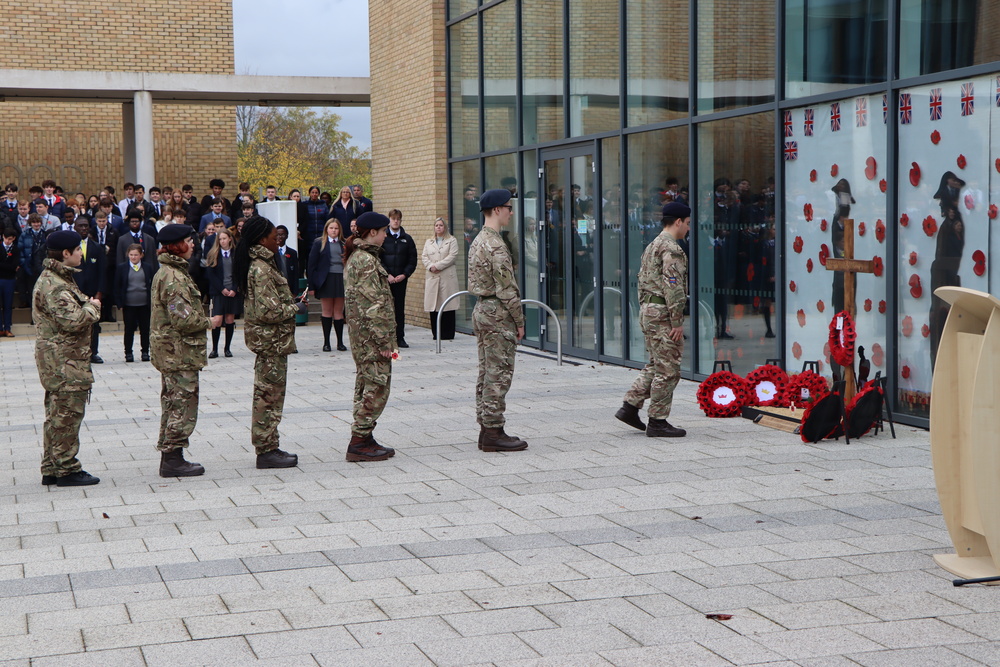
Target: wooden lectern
{"type": "Point", "coordinates": [965, 421]}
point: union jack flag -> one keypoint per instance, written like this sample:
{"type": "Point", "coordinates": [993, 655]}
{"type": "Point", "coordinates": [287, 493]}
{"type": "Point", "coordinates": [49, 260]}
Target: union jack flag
{"type": "Point", "coordinates": [885, 110]}
{"type": "Point", "coordinates": [835, 117]}
{"type": "Point", "coordinates": [808, 124]}
{"type": "Point", "coordinates": [861, 112]}
{"type": "Point", "coordinates": [791, 150]}
{"type": "Point", "coordinates": [788, 123]}
{"type": "Point", "coordinates": [968, 99]}
{"type": "Point", "coordinates": [905, 109]}
{"type": "Point", "coordinates": [935, 104]}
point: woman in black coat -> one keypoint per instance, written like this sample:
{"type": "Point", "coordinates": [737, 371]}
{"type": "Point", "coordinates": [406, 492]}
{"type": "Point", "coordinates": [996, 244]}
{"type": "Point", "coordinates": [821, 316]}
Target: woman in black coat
{"type": "Point", "coordinates": [326, 280]}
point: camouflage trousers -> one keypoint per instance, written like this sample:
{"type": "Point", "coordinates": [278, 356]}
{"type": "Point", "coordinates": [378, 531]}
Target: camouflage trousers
{"type": "Point", "coordinates": [269, 375]}
{"type": "Point", "coordinates": [371, 392]}
{"type": "Point", "coordinates": [61, 433]}
{"type": "Point", "coordinates": [179, 409]}
{"type": "Point", "coordinates": [497, 343]}
{"type": "Point", "coordinates": [658, 379]}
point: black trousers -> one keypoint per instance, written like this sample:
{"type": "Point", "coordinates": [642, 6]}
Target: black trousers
{"type": "Point", "coordinates": [136, 316]}
{"type": "Point", "coordinates": [399, 303]}
{"type": "Point", "coordinates": [447, 325]}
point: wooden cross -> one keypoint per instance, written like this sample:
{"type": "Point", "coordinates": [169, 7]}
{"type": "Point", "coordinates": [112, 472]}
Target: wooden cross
{"type": "Point", "coordinates": [850, 266]}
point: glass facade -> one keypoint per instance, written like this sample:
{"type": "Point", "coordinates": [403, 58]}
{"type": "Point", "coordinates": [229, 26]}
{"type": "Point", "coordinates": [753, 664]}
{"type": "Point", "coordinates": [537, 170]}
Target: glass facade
{"type": "Point", "coordinates": [782, 123]}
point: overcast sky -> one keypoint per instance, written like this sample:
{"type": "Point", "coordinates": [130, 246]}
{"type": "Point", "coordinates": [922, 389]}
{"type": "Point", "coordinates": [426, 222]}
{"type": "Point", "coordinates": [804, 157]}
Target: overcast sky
{"type": "Point", "coordinates": [306, 38]}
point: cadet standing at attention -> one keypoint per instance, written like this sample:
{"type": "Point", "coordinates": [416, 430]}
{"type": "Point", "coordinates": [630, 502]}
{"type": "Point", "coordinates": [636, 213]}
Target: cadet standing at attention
{"type": "Point", "coordinates": [371, 324]}
{"type": "Point", "coordinates": [662, 294]}
{"type": "Point", "coordinates": [178, 343]}
{"type": "Point", "coordinates": [269, 331]}
{"type": "Point", "coordinates": [63, 318]}
{"type": "Point", "coordinates": [497, 321]}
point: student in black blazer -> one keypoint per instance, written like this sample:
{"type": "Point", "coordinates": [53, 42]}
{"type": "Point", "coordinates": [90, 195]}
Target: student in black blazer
{"type": "Point", "coordinates": [135, 302]}
{"type": "Point", "coordinates": [326, 280]}
{"type": "Point", "coordinates": [147, 242]}
{"type": "Point", "coordinates": [103, 233]}
{"type": "Point", "coordinates": [288, 260]}
{"type": "Point", "coordinates": [92, 277]}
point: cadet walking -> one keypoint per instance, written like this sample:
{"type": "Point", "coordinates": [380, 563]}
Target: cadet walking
{"type": "Point", "coordinates": [269, 332]}
{"type": "Point", "coordinates": [662, 294]}
{"type": "Point", "coordinates": [63, 318]}
{"type": "Point", "coordinates": [178, 343]}
{"type": "Point", "coordinates": [371, 325]}
{"type": "Point", "coordinates": [497, 321]}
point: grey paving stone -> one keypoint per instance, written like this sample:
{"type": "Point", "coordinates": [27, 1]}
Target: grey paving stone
{"type": "Point", "coordinates": [471, 650]}
{"type": "Point", "coordinates": [447, 548]}
{"type": "Point", "coordinates": [56, 583]}
{"type": "Point", "coordinates": [300, 642]}
{"type": "Point", "coordinates": [401, 631]}
{"type": "Point", "coordinates": [229, 650]}
{"type": "Point", "coordinates": [110, 578]}
{"type": "Point", "coordinates": [937, 656]}
{"type": "Point", "coordinates": [403, 655]}
{"type": "Point", "coordinates": [374, 554]}
{"type": "Point", "coordinates": [124, 657]}
{"type": "Point", "coordinates": [286, 562]}
{"type": "Point", "coordinates": [688, 654]}
{"type": "Point", "coordinates": [202, 569]}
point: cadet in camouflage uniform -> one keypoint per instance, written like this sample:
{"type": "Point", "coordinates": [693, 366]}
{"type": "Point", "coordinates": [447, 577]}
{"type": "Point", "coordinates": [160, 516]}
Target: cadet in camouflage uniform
{"type": "Point", "coordinates": [497, 321]}
{"type": "Point", "coordinates": [662, 294]}
{"type": "Point", "coordinates": [63, 318]}
{"type": "Point", "coordinates": [178, 345]}
{"type": "Point", "coordinates": [371, 324]}
{"type": "Point", "coordinates": [269, 332]}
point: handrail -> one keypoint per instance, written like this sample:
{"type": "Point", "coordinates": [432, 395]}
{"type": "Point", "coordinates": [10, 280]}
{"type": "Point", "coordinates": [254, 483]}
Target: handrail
{"type": "Point", "coordinates": [551, 312]}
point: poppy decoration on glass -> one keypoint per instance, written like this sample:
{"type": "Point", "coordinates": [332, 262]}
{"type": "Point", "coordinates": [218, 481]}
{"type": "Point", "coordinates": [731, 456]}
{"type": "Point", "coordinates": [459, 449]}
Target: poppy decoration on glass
{"type": "Point", "coordinates": [723, 394]}
{"type": "Point", "coordinates": [861, 229]}
{"type": "Point", "coordinates": [791, 285]}
{"type": "Point", "coordinates": [881, 307]}
{"type": "Point", "coordinates": [907, 326]}
{"type": "Point", "coordinates": [979, 262]}
{"type": "Point", "coordinates": [807, 210]}
{"type": "Point", "coordinates": [843, 334]}
{"type": "Point", "coordinates": [935, 137]}
{"type": "Point", "coordinates": [883, 186]}
{"type": "Point", "coordinates": [868, 305]}
{"type": "Point", "coordinates": [805, 387]}
{"type": "Point", "coordinates": [904, 220]}
{"type": "Point", "coordinates": [809, 265]}
{"type": "Point", "coordinates": [961, 162]}
{"type": "Point", "coordinates": [796, 350]}
{"type": "Point", "coordinates": [925, 330]}
{"type": "Point", "coordinates": [812, 176]}
{"type": "Point", "coordinates": [822, 225]}
{"type": "Point", "coordinates": [801, 317]}
{"type": "Point", "coordinates": [992, 211]}
{"type": "Point", "coordinates": [820, 306]}
{"type": "Point", "coordinates": [797, 244]}
{"type": "Point", "coordinates": [970, 202]}
{"type": "Point", "coordinates": [878, 355]}
{"type": "Point", "coordinates": [913, 258]}
{"type": "Point", "coordinates": [930, 225]}
{"type": "Point", "coordinates": [767, 386]}
{"type": "Point", "coordinates": [871, 168]}
{"type": "Point", "coordinates": [877, 266]}
{"type": "Point", "coordinates": [879, 230]}
{"type": "Point", "coordinates": [905, 372]}
{"type": "Point", "coordinates": [824, 254]}
{"type": "Point", "coordinates": [916, 289]}
{"type": "Point", "coordinates": [914, 174]}
{"type": "Point", "coordinates": [834, 170]}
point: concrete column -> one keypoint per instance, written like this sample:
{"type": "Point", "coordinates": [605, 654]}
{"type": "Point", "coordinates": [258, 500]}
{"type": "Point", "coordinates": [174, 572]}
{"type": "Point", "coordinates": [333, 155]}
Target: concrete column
{"type": "Point", "coordinates": [128, 140]}
{"type": "Point", "coordinates": [142, 103]}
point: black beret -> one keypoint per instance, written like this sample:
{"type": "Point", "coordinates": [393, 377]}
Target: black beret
{"type": "Point", "coordinates": [173, 233]}
{"type": "Point", "coordinates": [372, 220]}
{"type": "Point", "coordinates": [217, 182]}
{"type": "Point", "coordinates": [494, 198]}
{"type": "Point", "coordinates": [62, 240]}
{"type": "Point", "coordinates": [675, 209]}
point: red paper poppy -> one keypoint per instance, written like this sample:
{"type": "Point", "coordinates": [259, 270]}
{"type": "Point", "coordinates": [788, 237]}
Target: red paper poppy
{"type": "Point", "coordinates": [824, 254]}
{"type": "Point", "coordinates": [767, 386]}
{"type": "Point", "coordinates": [841, 340]}
{"type": "Point", "coordinates": [868, 305]}
{"type": "Point", "coordinates": [935, 137]}
{"type": "Point", "coordinates": [881, 307]}
{"type": "Point", "coordinates": [882, 185]}
{"type": "Point", "coordinates": [878, 355]}
{"type": "Point", "coordinates": [961, 162]}
{"type": "Point", "coordinates": [907, 326]}
{"type": "Point", "coordinates": [809, 265]}
{"type": "Point", "coordinates": [992, 212]}
{"type": "Point", "coordinates": [879, 230]}
{"type": "Point", "coordinates": [925, 330]}
{"type": "Point", "coordinates": [806, 387]}
{"type": "Point", "coordinates": [791, 285]}
{"type": "Point", "coordinates": [801, 315]}
{"type": "Point", "coordinates": [822, 225]}
{"type": "Point", "coordinates": [723, 394]}
{"type": "Point", "coordinates": [905, 372]}
{"type": "Point", "coordinates": [820, 306]}
{"type": "Point", "coordinates": [916, 291]}
{"type": "Point", "coordinates": [979, 259]}
{"type": "Point", "coordinates": [914, 174]}
{"type": "Point", "coordinates": [871, 168]}
{"type": "Point", "coordinates": [930, 225]}
{"type": "Point", "coordinates": [797, 244]}
{"type": "Point", "coordinates": [861, 229]}
{"type": "Point", "coordinates": [812, 175]}
{"type": "Point", "coordinates": [834, 170]}
{"type": "Point", "coordinates": [970, 202]}
{"type": "Point", "coordinates": [877, 266]}
{"type": "Point", "coordinates": [750, 273]}
{"type": "Point", "coordinates": [808, 211]}
{"type": "Point", "coordinates": [904, 220]}
{"type": "Point", "coordinates": [796, 350]}
{"type": "Point", "coordinates": [913, 258]}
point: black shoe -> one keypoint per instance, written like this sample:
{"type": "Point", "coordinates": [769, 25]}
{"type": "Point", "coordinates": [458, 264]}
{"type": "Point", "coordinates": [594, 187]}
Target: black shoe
{"type": "Point", "coordinates": [79, 478]}
{"type": "Point", "coordinates": [96, 359]}
{"type": "Point", "coordinates": [496, 440]}
{"type": "Point", "coordinates": [629, 414]}
{"type": "Point", "coordinates": [341, 347]}
{"type": "Point", "coordinates": [129, 358]}
{"type": "Point", "coordinates": [145, 356]}
{"type": "Point", "coordinates": [228, 353]}
{"type": "Point", "coordinates": [661, 428]}
{"type": "Point", "coordinates": [172, 464]}
{"type": "Point", "coordinates": [726, 335]}
{"type": "Point", "coordinates": [277, 459]}
{"type": "Point", "coordinates": [373, 442]}
{"type": "Point", "coordinates": [214, 354]}
{"type": "Point", "coordinates": [364, 448]}
{"type": "Point", "coordinates": [327, 348]}
{"type": "Point", "coordinates": [402, 343]}
{"type": "Point", "coordinates": [48, 480]}
{"type": "Point", "coordinates": [769, 334]}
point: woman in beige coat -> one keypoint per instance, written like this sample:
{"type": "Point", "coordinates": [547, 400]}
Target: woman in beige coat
{"type": "Point", "coordinates": [439, 257]}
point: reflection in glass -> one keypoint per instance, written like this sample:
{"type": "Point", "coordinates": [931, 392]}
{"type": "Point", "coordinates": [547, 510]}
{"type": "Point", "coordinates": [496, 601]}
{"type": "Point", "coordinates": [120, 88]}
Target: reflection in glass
{"type": "Point", "coordinates": [657, 76]}
{"type": "Point", "coordinates": [542, 71]}
{"type": "Point", "coordinates": [938, 35]}
{"type": "Point", "coordinates": [834, 44]}
{"type": "Point", "coordinates": [500, 76]}
{"type": "Point", "coordinates": [580, 207]}
{"type": "Point", "coordinates": [464, 87]}
{"type": "Point", "coordinates": [657, 174]}
{"type": "Point", "coordinates": [735, 218]}
{"type": "Point", "coordinates": [466, 223]}
{"type": "Point", "coordinates": [458, 7]}
{"type": "Point", "coordinates": [531, 203]}
{"type": "Point", "coordinates": [612, 289]}
{"type": "Point", "coordinates": [556, 232]}
{"type": "Point", "coordinates": [735, 54]}
{"type": "Point", "coordinates": [594, 67]}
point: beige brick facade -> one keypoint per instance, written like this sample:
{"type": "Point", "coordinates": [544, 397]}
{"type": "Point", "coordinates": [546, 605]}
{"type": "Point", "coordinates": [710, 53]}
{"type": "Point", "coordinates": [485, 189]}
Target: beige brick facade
{"type": "Point", "coordinates": [79, 145]}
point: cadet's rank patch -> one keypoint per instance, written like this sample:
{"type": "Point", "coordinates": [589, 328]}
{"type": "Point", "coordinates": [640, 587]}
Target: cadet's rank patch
{"type": "Point", "coordinates": [672, 280]}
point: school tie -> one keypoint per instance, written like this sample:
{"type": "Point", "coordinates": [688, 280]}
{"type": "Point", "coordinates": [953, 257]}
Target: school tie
{"type": "Point", "coordinates": [84, 244]}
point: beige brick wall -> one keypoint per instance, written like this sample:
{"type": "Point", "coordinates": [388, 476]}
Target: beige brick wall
{"type": "Point", "coordinates": [409, 140]}
{"type": "Point", "coordinates": [80, 145]}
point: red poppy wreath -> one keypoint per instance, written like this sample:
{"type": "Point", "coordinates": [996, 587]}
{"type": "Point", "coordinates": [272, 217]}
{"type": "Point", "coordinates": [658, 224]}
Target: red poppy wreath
{"type": "Point", "coordinates": [842, 340]}
{"type": "Point", "coordinates": [805, 387]}
{"type": "Point", "coordinates": [861, 398]}
{"type": "Point", "coordinates": [723, 394]}
{"type": "Point", "coordinates": [767, 386]}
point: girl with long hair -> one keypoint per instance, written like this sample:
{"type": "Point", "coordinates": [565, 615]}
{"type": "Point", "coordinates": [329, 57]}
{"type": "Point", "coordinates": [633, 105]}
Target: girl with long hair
{"type": "Point", "coordinates": [227, 303]}
{"type": "Point", "coordinates": [326, 280]}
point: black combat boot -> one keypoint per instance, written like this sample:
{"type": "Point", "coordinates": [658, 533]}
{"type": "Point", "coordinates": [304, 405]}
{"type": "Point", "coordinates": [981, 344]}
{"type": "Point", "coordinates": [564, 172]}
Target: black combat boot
{"type": "Point", "coordinates": [629, 414]}
{"type": "Point", "coordinates": [172, 464]}
{"type": "Point", "coordinates": [372, 441]}
{"type": "Point", "coordinates": [78, 478]}
{"type": "Point", "coordinates": [661, 428]}
{"type": "Point", "coordinates": [495, 440]}
{"type": "Point", "coordinates": [277, 459]}
{"type": "Point", "coordinates": [364, 448]}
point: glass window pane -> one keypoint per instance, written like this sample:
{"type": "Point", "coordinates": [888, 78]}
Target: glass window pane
{"type": "Point", "coordinates": [466, 223]}
{"type": "Point", "coordinates": [594, 68]}
{"type": "Point", "coordinates": [657, 76]}
{"type": "Point", "coordinates": [657, 173]}
{"type": "Point", "coordinates": [542, 68]}
{"type": "Point", "coordinates": [833, 172]}
{"type": "Point", "coordinates": [500, 76]}
{"type": "Point", "coordinates": [938, 35]}
{"type": "Point", "coordinates": [735, 191]}
{"type": "Point", "coordinates": [610, 224]}
{"type": "Point", "coordinates": [464, 88]}
{"type": "Point", "coordinates": [532, 206]}
{"type": "Point", "coordinates": [834, 44]}
{"type": "Point", "coordinates": [735, 54]}
{"type": "Point", "coordinates": [458, 7]}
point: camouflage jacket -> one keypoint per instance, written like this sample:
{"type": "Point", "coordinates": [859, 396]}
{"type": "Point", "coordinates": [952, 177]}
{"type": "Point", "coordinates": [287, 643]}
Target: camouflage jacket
{"type": "Point", "coordinates": [663, 273]}
{"type": "Point", "coordinates": [63, 317]}
{"type": "Point", "coordinates": [178, 322]}
{"type": "Point", "coordinates": [371, 321]}
{"type": "Point", "coordinates": [491, 273]}
{"type": "Point", "coordinates": [269, 320]}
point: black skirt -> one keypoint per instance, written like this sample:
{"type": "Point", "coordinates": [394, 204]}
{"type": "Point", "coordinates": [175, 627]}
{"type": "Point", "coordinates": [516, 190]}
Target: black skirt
{"type": "Point", "coordinates": [227, 305]}
{"type": "Point", "coordinates": [333, 288]}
